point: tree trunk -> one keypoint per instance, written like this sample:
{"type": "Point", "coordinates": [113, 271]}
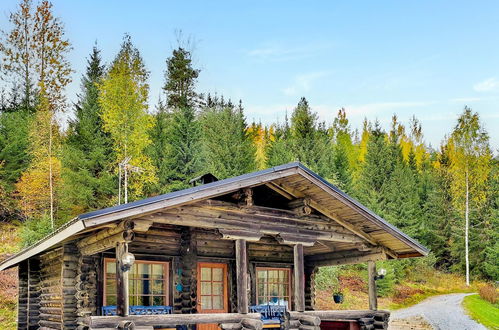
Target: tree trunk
{"type": "Point", "coordinates": [51, 184]}
{"type": "Point", "coordinates": [466, 231]}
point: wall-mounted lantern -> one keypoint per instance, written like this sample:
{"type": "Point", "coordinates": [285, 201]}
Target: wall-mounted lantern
{"type": "Point", "coordinates": [381, 274]}
{"type": "Point", "coordinates": [127, 261]}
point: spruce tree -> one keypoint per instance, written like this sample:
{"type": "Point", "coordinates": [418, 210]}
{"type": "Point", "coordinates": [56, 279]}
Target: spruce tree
{"type": "Point", "coordinates": [180, 80]}
{"type": "Point", "coordinates": [14, 158]}
{"type": "Point", "coordinates": [227, 148]}
{"type": "Point", "coordinates": [309, 139]}
{"type": "Point", "coordinates": [88, 179]}
{"type": "Point", "coordinates": [176, 148]}
{"type": "Point", "coordinates": [279, 149]}
{"type": "Point", "coordinates": [375, 170]}
{"type": "Point", "coordinates": [342, 150]}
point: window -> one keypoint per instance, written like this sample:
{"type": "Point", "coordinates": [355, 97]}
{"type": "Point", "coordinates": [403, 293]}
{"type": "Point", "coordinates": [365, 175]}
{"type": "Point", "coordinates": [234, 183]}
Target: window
{"type": "Point", "coordinates": [273, 286]}
{"type": "Point", "coordinates": [147, 283]}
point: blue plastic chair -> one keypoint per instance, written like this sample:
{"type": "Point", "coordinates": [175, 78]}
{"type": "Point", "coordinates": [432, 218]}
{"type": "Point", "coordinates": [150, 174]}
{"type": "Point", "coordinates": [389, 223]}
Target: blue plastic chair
{"type": "Point", "coordinates": [138, 310]}
{"type": "Point", "coordinates": [271, 314]}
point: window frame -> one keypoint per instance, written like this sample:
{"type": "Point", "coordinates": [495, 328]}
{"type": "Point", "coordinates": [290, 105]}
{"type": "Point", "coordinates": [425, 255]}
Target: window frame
{"type": "Point", "coordinates": [166, 281]}
{"type": "Point", "coordinates": [287, 269]}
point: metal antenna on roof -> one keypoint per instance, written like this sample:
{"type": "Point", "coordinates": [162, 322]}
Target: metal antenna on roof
{"type": "Point", "coordinates": [125, 167]}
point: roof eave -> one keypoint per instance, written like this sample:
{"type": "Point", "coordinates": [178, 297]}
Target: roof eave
{"type": "Point", "coordinates": [73, 227]}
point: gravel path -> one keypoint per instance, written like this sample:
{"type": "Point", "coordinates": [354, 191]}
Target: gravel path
{"type": "Point", "coordinates": [442, 312]}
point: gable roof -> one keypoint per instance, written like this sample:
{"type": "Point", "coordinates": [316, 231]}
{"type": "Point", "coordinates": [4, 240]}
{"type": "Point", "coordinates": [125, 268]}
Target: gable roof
{"type": "Point", "coordinates": [292, 172]}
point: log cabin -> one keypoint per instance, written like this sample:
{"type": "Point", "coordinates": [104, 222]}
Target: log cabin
{"type": "Point", "coordinates": [238, 253]}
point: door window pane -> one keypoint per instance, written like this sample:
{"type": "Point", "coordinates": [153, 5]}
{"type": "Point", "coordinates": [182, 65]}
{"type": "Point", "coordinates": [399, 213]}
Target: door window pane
{"type": "Point", "coordinates": [206, 302]}
{"type": "Point", "coordinates": [218, 302]}
{"type": "Point", "coordinates": [217, 274]}
{"type": "Point", "coordinates": [218, 288]}
{"type": "Point", "coordinates": [205, 288]}
{"type": "Point", "coordinates": [205, 274]}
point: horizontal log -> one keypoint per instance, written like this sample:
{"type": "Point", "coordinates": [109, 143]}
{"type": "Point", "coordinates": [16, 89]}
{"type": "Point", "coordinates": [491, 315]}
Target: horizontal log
{"type": "Point", "coordinates": [261, 211]}
{"type": "Point", "coordinates": [342, 254]}
{"type": "Point", "coordinates": [231, 326]}
{"type": "Point", "coordinates": [168, 320]}
{"type": "Point", "coordinates": [107, 243]}
{"type": "Point", "coordinates": [293, 239]}
{"type": "Point", "coordinates": [248, 235]}
{"type": "Point", "coordinates": [50, 317]}
{"type": "Point", "coordinates": [49, 324]}
{"type": "Point", "coordinates": [157, 239]}
{"type": "Point", "coordinates": [202, 218]}
{"type": "Point", "coordinates": [309, 327]}
{"type": "Point", "coordinates": [106, 233]}
{"type": "Point", "coordinates": [281, 220]}
{"type": "Point", "coordinates": [338, 315]}
{"type": "Point", "coordinates": [249, 323]}
{"type": "Point", "coordinates": [349, 260]}
{"type": "Point", "coordinates": [308, 319]}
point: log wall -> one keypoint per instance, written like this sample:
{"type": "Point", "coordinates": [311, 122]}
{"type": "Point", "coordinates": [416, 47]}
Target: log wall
{"type": "Point", "coordinates": [57, 288]}
{"type": "Point", "coordinates": [29, 294]}
{"type": "Point", "coordinates": [86, 288]}
{"type": "Point", "coordinates": [23, 292]}
{"type": "Point", "coordinates": [51, 301]}
{"type": "Point", "coordinates": [185, 300]}
{"type": "Point", "coordinates": [68, 285]}
{"type": "Point", "coordinates": [310, 288]}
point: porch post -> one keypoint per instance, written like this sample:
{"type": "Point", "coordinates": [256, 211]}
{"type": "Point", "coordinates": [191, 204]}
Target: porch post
{"type": "Point", "coordinates": [299, 273]}
{"type": "Point", "coordinates": [373, 300]}
{"type": "Point", "coordinates": [122, 308]}
{"type": "Point", "coordinates": [242, 276]}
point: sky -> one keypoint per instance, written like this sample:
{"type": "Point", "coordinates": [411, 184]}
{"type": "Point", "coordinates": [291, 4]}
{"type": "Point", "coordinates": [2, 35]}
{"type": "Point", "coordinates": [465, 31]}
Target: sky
{"type": "Point", "coordinates": [374, 58]}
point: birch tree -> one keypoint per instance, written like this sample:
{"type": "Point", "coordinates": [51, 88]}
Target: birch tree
{"type": "Point", "coordinates": [123, 99]}
{"type": "Point", "coordinates": [470, 165]}
{"type": "Point", "coordinates": [18, 55]}
{"type": "Point", "coordinates": [44, 59]}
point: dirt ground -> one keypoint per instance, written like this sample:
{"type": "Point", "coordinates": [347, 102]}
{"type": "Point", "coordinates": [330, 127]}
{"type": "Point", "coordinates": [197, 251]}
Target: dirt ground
{"type": "Point", "coordinates": [410, 323]}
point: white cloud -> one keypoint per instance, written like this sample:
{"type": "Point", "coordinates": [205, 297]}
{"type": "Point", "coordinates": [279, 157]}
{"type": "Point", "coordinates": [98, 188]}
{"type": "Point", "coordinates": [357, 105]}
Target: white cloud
{"type": "Point", "coordinates": [303, 83]}
{"type": "Point", "coordinates": [487, 85]}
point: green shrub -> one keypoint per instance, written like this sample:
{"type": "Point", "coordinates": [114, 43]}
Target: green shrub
{"type": "Point", "coordinates": [386, 285]}
{"type": "Point", "coordinates": [327, 278]}
{"type": "Point", "coordinates": [35, 229]}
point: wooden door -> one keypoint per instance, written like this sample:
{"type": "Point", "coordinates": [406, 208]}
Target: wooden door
{"type": "Point", "coordinates": [212, 291]}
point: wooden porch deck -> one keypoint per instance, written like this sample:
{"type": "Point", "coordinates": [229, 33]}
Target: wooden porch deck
{"type": "Point", "coordinates": [308, 320]}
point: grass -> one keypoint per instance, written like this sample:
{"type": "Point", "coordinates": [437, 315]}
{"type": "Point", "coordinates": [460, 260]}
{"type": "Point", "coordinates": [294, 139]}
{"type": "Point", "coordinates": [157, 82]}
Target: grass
{"type": "Point", "coordinates": [9, 244]}
{"type": "Point", "coordinates": [482, 311]}
{"type": "Point", "coordinates": [409, 291]}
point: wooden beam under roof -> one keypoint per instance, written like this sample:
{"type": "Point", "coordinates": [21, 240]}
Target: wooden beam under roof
{"type": "Point", "coordinates": [345, 257]}
{"type": "Point", "coordinates": [196, 216]}
{"type": "Point", "coordinates": [298, 194]}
